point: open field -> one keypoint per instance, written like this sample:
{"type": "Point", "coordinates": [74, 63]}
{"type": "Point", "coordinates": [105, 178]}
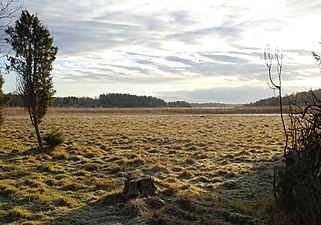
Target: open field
{"type": "Point", "coordinates": [212, 169]}
{"type": "Point", "coordinates": [57, 111]}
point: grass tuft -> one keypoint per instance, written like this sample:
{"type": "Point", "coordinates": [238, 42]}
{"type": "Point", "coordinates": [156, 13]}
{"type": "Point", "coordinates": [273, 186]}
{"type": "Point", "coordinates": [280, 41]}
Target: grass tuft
{"type": "Point", "coordinates": [54, 138]}
{"type": "Point", "coordinates": [18, 212]}
{"type": "Point", "coordinates": [136, 207]}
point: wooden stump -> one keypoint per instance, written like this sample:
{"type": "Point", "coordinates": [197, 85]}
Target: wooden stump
{"type": "Point", "coordinates": [139, 186]}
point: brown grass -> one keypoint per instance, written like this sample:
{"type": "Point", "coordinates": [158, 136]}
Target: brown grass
{"type": "Point", "coordinates": [8, 111]}
{"type": "Point", "coordinates": [210, 169]}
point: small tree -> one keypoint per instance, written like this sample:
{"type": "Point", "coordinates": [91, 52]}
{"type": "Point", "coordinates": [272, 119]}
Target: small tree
{"type": "Point", "coordinates": [276, 83]}
{"type": "Point", "coordinates": [34, 55]}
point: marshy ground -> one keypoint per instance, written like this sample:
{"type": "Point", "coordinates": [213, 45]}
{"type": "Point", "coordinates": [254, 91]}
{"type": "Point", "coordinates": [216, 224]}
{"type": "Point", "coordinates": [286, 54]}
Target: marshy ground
{"type": "Point", "coordinates": [212, 169]}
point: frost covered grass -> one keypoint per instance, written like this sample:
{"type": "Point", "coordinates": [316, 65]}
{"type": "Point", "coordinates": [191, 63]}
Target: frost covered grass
{"type": "Point", "coordinates": [213, 169]}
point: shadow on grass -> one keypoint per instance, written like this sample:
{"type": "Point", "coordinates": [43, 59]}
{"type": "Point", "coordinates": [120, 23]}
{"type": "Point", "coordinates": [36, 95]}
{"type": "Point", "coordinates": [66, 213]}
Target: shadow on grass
{"type": "Point", "coordinates": [37, 151]}
{"type": "Point", "coordinates": [32, 151]}
{"type": "Point", "coordinates": [237, 200]}
{"type": "Point", "coordinates": [107, 210]}
{"type": "Point", "coordinates": [115, 209]}
{"type": "Point", "coordinates": [232, 200]}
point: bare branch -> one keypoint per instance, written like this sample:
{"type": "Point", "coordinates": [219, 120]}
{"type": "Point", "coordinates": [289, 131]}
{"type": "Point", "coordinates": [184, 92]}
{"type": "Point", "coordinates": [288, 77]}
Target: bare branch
{"type": "Point", "coordinates": [8, 11]}
{"type": "Point", "coordinates": [276, 85]}
{"type": "Point", "coordinates": [318, 58]}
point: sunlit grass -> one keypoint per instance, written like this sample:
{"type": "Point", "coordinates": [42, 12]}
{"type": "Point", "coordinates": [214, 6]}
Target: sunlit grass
{"type": "Point", "coordinates": [219, 165]}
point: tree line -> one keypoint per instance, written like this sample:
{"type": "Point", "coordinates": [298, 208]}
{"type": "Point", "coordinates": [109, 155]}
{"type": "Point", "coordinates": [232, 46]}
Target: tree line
{"type": "Point", "coordinates": [104, 101]}
{"type": "Point", "coordinates": [299, 98]}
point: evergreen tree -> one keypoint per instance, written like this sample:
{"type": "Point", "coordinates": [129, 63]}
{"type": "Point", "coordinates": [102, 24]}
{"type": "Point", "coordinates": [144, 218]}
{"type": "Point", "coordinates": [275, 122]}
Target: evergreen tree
{"type": "Point", "coordinates": [34, 55]}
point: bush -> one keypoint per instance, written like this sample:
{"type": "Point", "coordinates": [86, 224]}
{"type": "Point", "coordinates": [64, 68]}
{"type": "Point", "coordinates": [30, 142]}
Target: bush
{"type": "Point", "coordinates": [298, 189]}
{"type": "Point", "coordinates": [54, 138]}
{"type": "Point", "coordinates": [299, 194]}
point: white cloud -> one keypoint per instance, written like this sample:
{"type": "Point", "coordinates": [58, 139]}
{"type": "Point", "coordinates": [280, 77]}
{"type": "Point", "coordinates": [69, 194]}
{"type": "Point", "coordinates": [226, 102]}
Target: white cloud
{"type": "Point", "coordinates": [166, 46]}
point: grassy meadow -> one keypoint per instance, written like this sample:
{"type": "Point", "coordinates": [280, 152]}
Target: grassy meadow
{"type": "Point", "coordinates": [209, 169]}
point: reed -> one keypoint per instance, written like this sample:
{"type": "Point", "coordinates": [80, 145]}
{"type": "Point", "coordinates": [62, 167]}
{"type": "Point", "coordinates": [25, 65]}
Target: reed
{"type": "Point", "coordinates": [12, 111]}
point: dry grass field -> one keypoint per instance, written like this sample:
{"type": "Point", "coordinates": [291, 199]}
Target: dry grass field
{"type": "Point", "coordinates": [210, 169]}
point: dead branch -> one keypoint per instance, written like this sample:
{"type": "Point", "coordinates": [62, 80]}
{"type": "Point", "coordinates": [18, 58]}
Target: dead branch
{"type": "Point", "coordinates": [275, 83]}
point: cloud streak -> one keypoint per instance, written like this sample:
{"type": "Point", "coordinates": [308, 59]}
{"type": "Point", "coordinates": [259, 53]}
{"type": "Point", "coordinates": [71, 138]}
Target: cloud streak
{"type": "Point", "coordinates": [204, 50]}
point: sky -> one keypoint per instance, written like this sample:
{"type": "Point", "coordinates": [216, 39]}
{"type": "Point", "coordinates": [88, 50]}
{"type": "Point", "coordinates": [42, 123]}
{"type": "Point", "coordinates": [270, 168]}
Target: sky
{"type": "Point", "coordinates": [195, 51]}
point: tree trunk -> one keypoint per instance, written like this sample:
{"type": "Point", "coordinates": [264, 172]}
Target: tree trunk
{"type": "Point", "coordinates": [36, 125]}
{"type": "Point", "coordinates": [139, 186]}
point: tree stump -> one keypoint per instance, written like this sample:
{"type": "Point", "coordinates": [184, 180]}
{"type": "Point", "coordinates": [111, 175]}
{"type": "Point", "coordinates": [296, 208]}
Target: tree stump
{"type": "Point", "coordinates": [139, 186]}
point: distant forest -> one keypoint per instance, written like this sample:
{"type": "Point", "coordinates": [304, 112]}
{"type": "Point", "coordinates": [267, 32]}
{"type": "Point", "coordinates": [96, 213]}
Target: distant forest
{"type": "Point", "coordinates": [116, 100]}
{"type": "Point", "coordinates": [299, 98]}
{"type": "Point", "coordinates": [104, 101]}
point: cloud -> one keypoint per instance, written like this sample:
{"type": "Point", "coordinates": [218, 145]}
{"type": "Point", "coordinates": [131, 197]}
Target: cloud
{"type": "Point", "coordinates": [189, 49]}
{"type": "Point", "coordinates": [231, 95]}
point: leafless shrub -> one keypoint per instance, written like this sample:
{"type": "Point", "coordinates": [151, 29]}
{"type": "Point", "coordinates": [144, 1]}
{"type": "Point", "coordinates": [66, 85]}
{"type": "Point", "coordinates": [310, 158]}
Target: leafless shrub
{"type": "Point", "coordinates": [297, 188]}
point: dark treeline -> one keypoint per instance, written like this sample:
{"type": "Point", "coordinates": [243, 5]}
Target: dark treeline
{"type": "Point", "coordinates": [299, 98]}
{"type": "Point", "coordinates": [105, 101]}
{"type": "Point", "coordinates": [130, 101]}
